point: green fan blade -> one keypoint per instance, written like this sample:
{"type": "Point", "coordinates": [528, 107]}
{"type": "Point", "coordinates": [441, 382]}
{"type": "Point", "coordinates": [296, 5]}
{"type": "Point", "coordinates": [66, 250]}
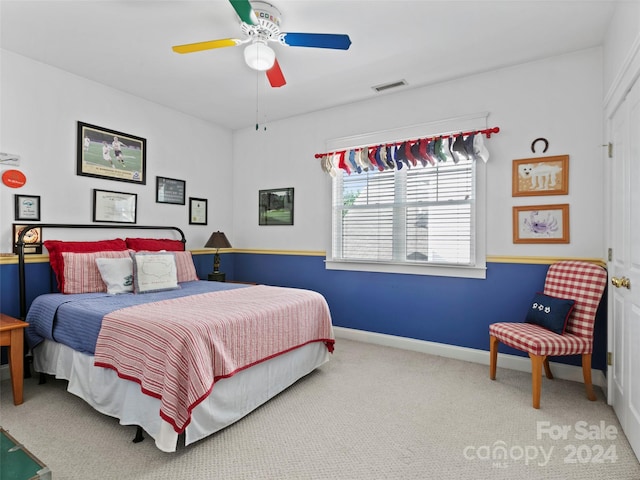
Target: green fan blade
{"type": "Point", "coordinates": [245, 11]}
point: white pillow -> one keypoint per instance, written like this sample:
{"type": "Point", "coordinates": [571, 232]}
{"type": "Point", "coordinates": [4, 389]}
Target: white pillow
{"type": "Point", "coordinates": [154, 272]}
{"type": "Point", "coordinates": [117, 274]}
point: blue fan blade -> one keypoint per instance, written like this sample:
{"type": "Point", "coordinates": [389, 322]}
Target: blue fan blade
{"type": "Point", "coordinates": [317, 40]}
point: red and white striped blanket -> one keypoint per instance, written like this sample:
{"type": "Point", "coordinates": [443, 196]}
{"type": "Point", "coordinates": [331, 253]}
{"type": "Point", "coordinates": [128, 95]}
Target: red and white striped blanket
{"type": "Point", "coordinates": [177, 349]}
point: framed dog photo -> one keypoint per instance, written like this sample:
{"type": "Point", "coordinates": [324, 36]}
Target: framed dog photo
{"type": "Point", "coordinates": [541, 176]}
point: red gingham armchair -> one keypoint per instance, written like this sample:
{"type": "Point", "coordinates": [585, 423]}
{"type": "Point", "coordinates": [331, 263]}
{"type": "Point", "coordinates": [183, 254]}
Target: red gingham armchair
{"type": "Point", "coordinates": [577, 280]}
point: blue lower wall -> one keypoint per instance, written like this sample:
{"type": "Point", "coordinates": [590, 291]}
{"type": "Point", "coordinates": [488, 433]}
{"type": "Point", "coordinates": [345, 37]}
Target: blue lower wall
{"type": "Point", "coordinates": [453, 311]}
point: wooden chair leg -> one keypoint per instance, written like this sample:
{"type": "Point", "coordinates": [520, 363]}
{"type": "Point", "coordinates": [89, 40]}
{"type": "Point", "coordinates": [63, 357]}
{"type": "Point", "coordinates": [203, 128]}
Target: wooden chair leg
{"type": "Point", "coordinates": [536, 378]}
{"type": "Point", "coordinates": [547, 369]}
{"type": "Point", "coordinates": [586, 373]}
{"type": "Point", "coordinates": [493, 356]}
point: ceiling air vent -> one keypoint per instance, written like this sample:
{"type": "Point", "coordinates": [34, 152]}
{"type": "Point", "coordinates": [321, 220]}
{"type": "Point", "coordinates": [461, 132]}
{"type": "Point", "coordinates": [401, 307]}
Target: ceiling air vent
{"type": "Point", "coordinates": [387, 86]}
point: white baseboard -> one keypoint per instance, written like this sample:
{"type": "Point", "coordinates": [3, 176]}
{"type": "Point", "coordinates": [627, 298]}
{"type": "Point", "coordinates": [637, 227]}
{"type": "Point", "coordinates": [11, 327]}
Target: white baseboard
{"type": "Point", "coordinates": [505, 360]}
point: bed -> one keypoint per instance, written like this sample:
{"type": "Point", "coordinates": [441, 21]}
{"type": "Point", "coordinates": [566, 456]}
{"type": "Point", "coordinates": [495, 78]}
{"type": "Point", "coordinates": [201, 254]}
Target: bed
{"type": "Point", "coordinates": [140, 338]}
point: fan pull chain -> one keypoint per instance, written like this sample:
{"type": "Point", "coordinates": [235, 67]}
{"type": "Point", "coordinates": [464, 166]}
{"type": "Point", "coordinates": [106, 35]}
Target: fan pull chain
{"type": "Point", "coordinates": [257, 101]}
{"type": "Point", "coordinates": [257, 106]}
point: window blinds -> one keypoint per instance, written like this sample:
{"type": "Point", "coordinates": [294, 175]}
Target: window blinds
{"type": "Point", "coordinates": [418, 215]}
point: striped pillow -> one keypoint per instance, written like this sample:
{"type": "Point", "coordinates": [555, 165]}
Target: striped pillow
{"type": "Point", "coordinates": [81, 273]}
{"type": "Point", "coordinates": [184, 265]}
{"type": "Point", "coordinates": [186, 268]}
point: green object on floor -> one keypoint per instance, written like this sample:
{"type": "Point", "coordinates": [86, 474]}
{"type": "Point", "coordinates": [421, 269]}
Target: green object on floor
{"type": "Point", "coordinates": [18, 463]}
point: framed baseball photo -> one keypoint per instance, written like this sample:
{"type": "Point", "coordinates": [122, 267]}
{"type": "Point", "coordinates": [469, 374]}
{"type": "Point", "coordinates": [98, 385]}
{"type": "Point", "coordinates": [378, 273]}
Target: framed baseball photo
{"type": "Point", "coordinates": [109, 154]}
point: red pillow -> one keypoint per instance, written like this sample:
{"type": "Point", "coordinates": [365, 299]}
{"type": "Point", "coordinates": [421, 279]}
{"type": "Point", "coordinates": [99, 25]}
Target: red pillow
{"type": "Point", "coordinates": [56, 247]}
{"type": "Point", "coordinates": [155, 244]}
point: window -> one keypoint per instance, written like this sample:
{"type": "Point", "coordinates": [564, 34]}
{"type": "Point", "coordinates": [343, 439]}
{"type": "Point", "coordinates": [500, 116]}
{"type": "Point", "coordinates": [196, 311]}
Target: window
{"type": "Point", "coordinates": [422, 220]}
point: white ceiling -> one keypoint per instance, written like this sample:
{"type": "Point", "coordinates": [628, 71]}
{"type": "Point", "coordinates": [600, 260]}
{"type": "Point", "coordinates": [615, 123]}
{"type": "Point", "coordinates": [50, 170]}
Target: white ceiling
{"type": "Point", "coordinates": [126, 44]}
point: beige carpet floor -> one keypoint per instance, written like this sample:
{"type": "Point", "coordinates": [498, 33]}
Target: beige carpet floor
{"type": "Point", "coordinates": [372, 412]}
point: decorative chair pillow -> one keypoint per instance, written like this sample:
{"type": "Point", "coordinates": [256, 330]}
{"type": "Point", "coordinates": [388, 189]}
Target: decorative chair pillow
{"type": "Point", "coordinates": [550, 312]}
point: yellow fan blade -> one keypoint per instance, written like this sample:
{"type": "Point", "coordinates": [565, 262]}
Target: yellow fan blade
{"type": "Point", "coordinates": [197, 47]}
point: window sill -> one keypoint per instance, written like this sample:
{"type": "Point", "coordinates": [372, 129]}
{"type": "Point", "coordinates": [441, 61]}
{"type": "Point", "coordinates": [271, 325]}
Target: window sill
{"type": "Point", "coordinates": [479, 272]}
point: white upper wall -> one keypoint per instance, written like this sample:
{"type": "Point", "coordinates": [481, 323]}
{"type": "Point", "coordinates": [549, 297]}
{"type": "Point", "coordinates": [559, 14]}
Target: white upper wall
{"type": "Point", "coordinates": [39, 110]}
{"type": "Point", "coordinates": [621, 42]}
{"type": "Point", "coordinates": [558, 98]}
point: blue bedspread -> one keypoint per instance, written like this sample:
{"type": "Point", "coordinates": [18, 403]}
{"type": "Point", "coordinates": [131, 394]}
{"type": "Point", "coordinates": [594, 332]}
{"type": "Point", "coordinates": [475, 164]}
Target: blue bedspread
{"type": "Point", "coordinates": [75, 320]}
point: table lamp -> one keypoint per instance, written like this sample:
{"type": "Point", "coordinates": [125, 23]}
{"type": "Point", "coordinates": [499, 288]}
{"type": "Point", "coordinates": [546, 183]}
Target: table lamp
{"type": "Point", "coordinates": [217, 240]}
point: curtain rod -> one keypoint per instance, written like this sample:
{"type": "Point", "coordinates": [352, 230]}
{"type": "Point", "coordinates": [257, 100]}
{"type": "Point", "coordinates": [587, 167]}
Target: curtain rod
{"type": "Point", "coordinates": [486, 131]}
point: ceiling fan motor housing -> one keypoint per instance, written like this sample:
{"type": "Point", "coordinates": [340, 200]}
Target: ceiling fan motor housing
{"type": "Point", "coordinates": [269, 18]}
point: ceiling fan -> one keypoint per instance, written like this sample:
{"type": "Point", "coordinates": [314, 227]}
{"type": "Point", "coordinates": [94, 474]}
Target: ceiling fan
{"type": "Point", "coordinates": [260, 23]}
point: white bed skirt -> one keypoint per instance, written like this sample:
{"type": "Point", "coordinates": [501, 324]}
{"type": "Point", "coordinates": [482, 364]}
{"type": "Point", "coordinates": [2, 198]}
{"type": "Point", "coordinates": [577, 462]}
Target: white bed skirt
{"type": "Point", "coordinates": [230, 399]}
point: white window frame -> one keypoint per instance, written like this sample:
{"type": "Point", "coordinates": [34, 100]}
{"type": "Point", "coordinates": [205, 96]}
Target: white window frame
{"type": "Point", "coordinates": [478, 220]}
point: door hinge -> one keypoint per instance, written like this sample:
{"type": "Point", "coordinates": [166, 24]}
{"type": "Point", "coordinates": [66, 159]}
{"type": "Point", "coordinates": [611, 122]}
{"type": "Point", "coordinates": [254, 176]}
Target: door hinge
{"type": "Point", "coordinates": [610, 150]}
{"type": "Point", "coordinates": [610, 254]}
{"type": "Point", "coordinates": [609, 358]}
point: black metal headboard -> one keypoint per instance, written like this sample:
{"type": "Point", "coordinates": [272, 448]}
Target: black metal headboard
{"type": "Point", "coordinates": [20, 244]}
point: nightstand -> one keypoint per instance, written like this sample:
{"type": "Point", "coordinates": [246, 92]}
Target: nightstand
{"type": "Point", "coordinates": [12, 336]}
{"type": "Point", "coordinates": [216, 277]}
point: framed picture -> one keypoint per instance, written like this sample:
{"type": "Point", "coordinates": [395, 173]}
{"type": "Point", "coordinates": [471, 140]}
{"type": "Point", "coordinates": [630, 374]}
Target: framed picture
{"type": "Point", "coordinates": [541, 224]}
{"type": "Point", "coordinates": [27, 207]}
{"type": "Point", "coordinates": [114, 207]}
{"type": "Point", "coordinates": [105, 153]}
{"type": "Point", "coordinates": [541, 176]}
{"type": "Point", "coordinates": [275, 207]}
{"type": "Point", "coordinates": [170, 190]}
{"type": "Point", "coordinates": [197, 211]}
{"type": "Point", "coordinates": [32, 239]}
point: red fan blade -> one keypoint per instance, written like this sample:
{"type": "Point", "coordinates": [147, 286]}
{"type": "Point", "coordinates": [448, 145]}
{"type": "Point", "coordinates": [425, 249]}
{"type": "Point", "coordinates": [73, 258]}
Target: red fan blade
{"type": "Point", "coordinates": [275, 76]}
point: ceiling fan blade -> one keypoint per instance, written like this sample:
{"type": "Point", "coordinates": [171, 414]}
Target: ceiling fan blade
{"type": "Point", "coordinates": [317, 40]}
{"type": "Point", "coordinates": [275, 76]}
{"type": "Point", "coordinates": [199, 46]}
{"type": "Point", "coordinates": [245, 11]}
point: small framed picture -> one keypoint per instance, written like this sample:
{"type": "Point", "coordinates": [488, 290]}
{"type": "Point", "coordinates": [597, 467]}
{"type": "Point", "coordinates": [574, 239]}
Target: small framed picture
{"type": "Point", "coordinates": [27, 208]}
{"type": "Point", "coordinates": [541, 224]}
{"type": "Point", "coordinates": [540, 176]}
{"type": "Point", "coordinates": [275, 207]}
{"type": "Point", "coordinates": [109, 154]}
{"type": "Point", "coordinates": [170, 190]}
{"type": "Point", "coordinates": [32, 239]}
{"type": "Point", "coordinates": [114, 207]}
{"type": "Point", "coordinates": [197, 211]}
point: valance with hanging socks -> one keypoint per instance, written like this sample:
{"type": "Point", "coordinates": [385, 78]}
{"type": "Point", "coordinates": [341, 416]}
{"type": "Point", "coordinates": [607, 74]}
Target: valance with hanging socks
{"type": "Point", "coordinates": [412, 153]}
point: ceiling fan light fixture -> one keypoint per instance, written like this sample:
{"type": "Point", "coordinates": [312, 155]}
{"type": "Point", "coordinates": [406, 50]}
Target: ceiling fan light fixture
{"type": "Point", "coordinates": [259, 56]}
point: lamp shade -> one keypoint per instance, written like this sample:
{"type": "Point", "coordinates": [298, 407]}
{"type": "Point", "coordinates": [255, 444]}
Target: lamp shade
{"type": "Point", "coordinates": [217, 240]}
{"type": "Point", "coordinates": [259, 56]}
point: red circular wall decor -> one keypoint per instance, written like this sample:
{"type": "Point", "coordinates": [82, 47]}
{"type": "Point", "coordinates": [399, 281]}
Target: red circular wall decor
{"type": "Point", "coordinates": [13, 178]}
